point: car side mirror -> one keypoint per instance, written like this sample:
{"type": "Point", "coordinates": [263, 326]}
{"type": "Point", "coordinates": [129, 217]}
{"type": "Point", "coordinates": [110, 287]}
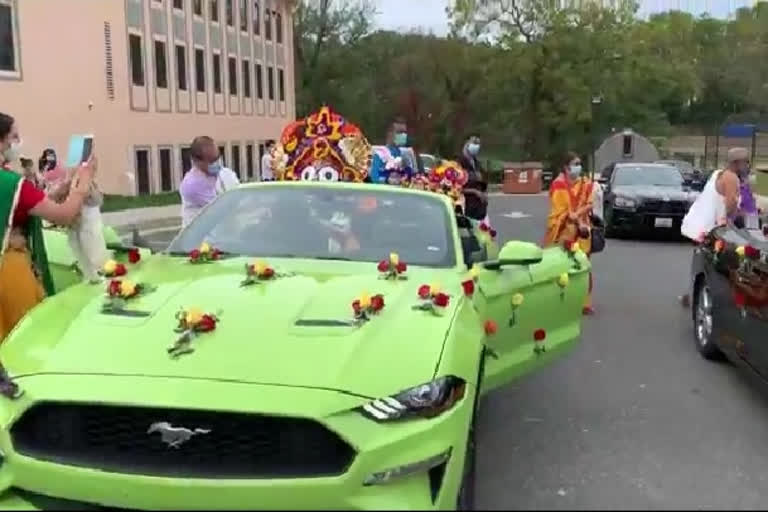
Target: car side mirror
{"type": "Point", "coordinates": [517, 253]}
{"type": "Point", "coordinates": [602, 180]}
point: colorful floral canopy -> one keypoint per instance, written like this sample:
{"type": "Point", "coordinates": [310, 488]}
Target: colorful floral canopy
{"type": "Point", "coordinates": [322, 147]}
{"type": "Point", "coordinates": [448, 178]}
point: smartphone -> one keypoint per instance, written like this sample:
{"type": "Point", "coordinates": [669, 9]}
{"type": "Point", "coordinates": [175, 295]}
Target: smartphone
{"type": "Point", "coordinates": [80, 149]}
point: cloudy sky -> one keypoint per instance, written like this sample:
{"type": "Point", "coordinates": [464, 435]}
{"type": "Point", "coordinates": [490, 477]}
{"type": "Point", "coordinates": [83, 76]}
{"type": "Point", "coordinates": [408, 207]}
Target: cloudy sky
{"type": "Point", "coordinates": [430, 14]}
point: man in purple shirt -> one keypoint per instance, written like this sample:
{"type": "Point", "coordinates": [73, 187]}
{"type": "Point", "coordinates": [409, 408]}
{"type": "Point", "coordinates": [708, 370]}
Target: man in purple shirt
{"type": "Point", "coordinates": [198, 188]}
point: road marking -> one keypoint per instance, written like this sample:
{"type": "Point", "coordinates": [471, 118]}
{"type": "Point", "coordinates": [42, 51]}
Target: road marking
{"type": "Point", "coordinates": [515, 215]}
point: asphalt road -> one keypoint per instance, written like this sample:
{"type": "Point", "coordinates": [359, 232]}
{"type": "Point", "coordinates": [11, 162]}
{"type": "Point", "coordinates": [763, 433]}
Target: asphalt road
{"type": "Point", "coordinates": [633, 418]}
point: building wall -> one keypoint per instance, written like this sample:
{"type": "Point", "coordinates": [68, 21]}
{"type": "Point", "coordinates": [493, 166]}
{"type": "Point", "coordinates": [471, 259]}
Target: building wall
{"type": "Point", "coordinates": [63, 86]}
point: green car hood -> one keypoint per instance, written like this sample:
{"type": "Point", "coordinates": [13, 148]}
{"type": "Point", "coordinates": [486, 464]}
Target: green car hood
{"type": "Point", "coordinates": [260, 337]}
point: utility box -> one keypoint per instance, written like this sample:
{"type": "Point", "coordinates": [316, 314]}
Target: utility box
{"type": "Point", "coordinates": [522, 178]}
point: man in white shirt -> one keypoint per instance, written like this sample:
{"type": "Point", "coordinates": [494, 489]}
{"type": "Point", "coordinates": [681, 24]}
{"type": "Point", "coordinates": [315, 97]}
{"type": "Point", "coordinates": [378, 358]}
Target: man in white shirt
{"type": "Point", "coordinates": [226, 180]}
{"type": "Point", "coordinates": [267, 173]}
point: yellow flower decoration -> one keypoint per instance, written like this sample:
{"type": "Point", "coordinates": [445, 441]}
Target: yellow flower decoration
{"type": "Point", "coordinates": [394, 259]}
{"type": "Point", "coordinates": [563, 280]}
{"type": "Point", "coordinates": [365, 300]}
{"type": "Point", "coordinates": [194, 316]}
{"type": "Point", "coordinates": [474, 272]}
{"type": "Point", "coordinates": [740, 250]}
{"type": "Point", "coordinates": [205, 248]}
{"type": "Point", "coordinates": [575, 247]}
{"type": "Point", "coordinates": [127, 288]}
{"type": "Point", "coordinates": [110, 267]}
{"type": "Point", "coordinates": [259, 267]}
{"type": "Point", "coordinates": [434, 288]}
{"type": "Point", "coordinates": [517, 299]}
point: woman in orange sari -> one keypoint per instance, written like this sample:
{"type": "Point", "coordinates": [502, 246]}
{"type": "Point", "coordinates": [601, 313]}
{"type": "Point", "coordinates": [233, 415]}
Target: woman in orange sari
{"type": "Point", "coordinates": [569, 220]}
{"type": "Point", "coordinates": [24, 276]}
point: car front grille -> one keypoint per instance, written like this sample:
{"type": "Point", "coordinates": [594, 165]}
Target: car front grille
{"type": "Point", "coordinates": [656, 206]}
{"type": "Point", "coordinates": [238, 445]}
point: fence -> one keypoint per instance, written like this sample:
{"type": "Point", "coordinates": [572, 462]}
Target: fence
{"type": "Point", "coordinates": [716, 150]}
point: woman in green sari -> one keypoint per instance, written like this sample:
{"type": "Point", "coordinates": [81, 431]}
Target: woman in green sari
{"type": "Point", "coordinates": [25, 279]}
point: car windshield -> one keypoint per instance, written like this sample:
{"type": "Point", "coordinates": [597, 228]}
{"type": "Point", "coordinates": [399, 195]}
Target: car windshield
{"type": "Point", "coordinates": [685, 167]}
{"type": "Point", "coordinates": [663, 176]}
{"type": "Point", "coordinates": [308, 221]}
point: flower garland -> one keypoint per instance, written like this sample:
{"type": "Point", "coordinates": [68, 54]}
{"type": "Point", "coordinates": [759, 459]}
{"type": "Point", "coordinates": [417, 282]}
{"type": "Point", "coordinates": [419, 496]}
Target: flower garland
{"type": "Point", "coordinates": [204, 254]}
{"type": "Point", "coordinates": [113, 269]}
{"type": "Point", "coordinates": [392, 268]}
{"type": "Point", "coordinates": [191, 323]}
{"type": "Point", "coordinates": [432, 299]}
{"type": "Point", "coordinates": [365, 306]}
{"type": "Point", "coordinates": [256, 273]}
{"type": "Point", "coordinates": [119, 292]}
{"type": "Point", "coordinates": [573, 249]}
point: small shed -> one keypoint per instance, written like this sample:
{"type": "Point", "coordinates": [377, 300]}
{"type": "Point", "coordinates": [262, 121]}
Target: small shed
{"type": "Point", "coordinates": [626, 146]}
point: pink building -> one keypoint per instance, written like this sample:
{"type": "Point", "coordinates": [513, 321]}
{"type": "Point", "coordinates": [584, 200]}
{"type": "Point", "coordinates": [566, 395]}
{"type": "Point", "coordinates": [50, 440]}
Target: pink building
{"type": "Point", "coordinates": [146, 77]}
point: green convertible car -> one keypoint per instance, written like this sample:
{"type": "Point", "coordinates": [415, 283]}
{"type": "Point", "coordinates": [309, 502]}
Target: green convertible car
{"type": "Point", "coordinates": [272, 360]}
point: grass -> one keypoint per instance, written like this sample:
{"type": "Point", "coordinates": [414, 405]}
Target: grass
{"type": "Point", "coordinates": [114, 203]}
{"type": "Point", "coordinates": [762, 183]}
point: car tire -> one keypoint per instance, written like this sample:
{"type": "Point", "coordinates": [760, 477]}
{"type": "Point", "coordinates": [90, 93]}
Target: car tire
{"type": "Point", "coordinates": [466, 497]}
{"type": "Point", "coordinates": [610, 231]}
{"type": "Point", "coordinates": [703, 322]}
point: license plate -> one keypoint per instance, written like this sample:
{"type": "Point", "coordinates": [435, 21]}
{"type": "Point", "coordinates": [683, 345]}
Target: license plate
{"type": "Point", "coordinates": [663, 222]}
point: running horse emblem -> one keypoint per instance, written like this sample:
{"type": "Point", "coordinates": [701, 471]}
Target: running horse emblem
{"type": "Point", "coordinates": [174, 437]}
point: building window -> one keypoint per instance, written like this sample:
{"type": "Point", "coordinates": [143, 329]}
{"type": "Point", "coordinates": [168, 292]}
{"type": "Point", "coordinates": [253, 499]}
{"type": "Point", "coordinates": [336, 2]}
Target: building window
{"type": "Point", "coordinates": [271, 83]}
{"type": "Point", "coordinates": [262, 152]}
{"type": "Point", "coordinates": [279, 27]}
{"type": "Point", "coordinates": [267, 25]}
{"type": "Point", "coordinates": [259, 82]}
{"type": "Point", "coordinates": [249, 161]}
{"type": "Point", "coordinates": [109, 71]}
{"type": "Point", "coordinates": [223, 155]}
{"type": "Point", "coordinates": [166, 175]}
{"type": "Point", "coordinates": [197, 7]}
{"type": "Point", "coordinates": [161, 66]}
{"type": "Point", "coordinates": [236, 159]}
{"type": "Point", "coordinates": [186, 160]}
{"type": "Point", "coordinates": [142, 172]}
{"type": "Point", "coordinates": [178, 4]}
{"type": "Point", "coordinates": [214, 7]}
{"type": "Point", "coordinates": [8, 41]}
{"type": "Point", "coordinates": [230, 12]}
{"type": "Point", "coordinates": [246, 79]}
{"type": "Point", "coordinates": [244, 15]}
{"type": "Point", "coordinates": [181, 67]}
{"type": "Point", "coordinates": [200, 69]}
{"type": "Point", "coordinates": [233, 76]}
{"type": "Point", "coordinates": [217, 73]}
{"type": "Point", "coordinates": [256, 18]}
{"type": "Point", "coordinates": [137, 60]}
{"type": "Point", "coordinates": [281, 84]}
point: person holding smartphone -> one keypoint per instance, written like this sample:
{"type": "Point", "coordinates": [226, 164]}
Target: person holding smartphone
{"type": "Point", "coordinates": [25, 279]}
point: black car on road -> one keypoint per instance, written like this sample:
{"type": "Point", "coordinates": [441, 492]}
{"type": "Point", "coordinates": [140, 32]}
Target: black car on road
{"type": "Point", "coordinates": [644, 198]}
{"type": "Point", "coordinates": [729, 287]}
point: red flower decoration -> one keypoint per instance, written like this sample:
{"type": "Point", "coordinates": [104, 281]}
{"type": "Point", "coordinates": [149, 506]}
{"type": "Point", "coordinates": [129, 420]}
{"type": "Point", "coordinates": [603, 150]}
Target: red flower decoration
{"type": "Point", "coordinates": [751, 253]}
{"type": "Point", "coordinates": [425, 291]}
{"type": "Point", "coordinates": [740, 299]}
{"type": "Point", "coordinates": [134, 256]}
{"type": "Point", "coordinates": [377, 302]}
{"type": "Point", "coordinates": [356, 307]}
{"type": "Point", "coordinates": [493, 233]}
{"type": "Point", "coordinates": [268, 273]}
{"type": "Point", "coordinates": [215, 254]}
{"type": "Point", "coordinates": [194, 255]}
{"type": "Point", "coordinates": [568, 245]}
{"type": "Point", "coordinates": [383, 266]}
{"type": "Point", "coordinates": [539, 335]}
{"type": "Point", "coordinates": [490, 327]}
{"type": "Point", "coordinates": [401, 267]}
{"type": "Point", "coordinates": [484, 227]}
{"type": "Point", "coordinates": [441, 300]}
{"type": "Point", "coordinates": [469, 287]}
{"type": "Point", "coordinates": [207, 324]}
{"type": "Point", "coordinates": [120, 270]}
{"type": "Point", "coordinates": [113, 289]}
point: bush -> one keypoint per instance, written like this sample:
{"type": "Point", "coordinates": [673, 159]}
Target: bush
{"type": "Point", "coordinates": [115, 203]}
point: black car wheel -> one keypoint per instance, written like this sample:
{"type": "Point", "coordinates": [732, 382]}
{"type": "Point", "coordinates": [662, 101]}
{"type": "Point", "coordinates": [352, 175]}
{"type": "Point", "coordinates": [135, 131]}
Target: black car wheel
{"type": "Point", "coordinates": [703, 322]}
{"type": "Point", "coordinates": [610, 231]}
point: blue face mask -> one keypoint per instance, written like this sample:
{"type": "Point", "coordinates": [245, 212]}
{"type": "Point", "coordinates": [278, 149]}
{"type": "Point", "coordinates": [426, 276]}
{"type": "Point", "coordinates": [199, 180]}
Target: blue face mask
{"type": "Point", "coordinates": [473, 148]}
{"type": "Point", "coordinates": [400, 139]}
{"type": "Point", "coordinates": [214, 168]}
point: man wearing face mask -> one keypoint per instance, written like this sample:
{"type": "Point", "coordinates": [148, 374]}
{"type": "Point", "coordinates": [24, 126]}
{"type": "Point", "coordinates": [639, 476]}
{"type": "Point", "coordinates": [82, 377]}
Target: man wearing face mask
{"type": "Point", "coordinates": [476, 189]}
{"type": "Point", "coordinates": [198, 188]}
{"type": "Point", "coordinates": [397, 137]}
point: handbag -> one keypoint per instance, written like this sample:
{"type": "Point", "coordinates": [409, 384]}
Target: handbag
{"type": "Point", "coordinates": [597, 235]}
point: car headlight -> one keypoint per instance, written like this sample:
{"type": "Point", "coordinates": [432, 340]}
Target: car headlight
{"type": "Point", "coordinates": [425, 401]}
{"type": "Point", "coordinates": [624, 202]}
